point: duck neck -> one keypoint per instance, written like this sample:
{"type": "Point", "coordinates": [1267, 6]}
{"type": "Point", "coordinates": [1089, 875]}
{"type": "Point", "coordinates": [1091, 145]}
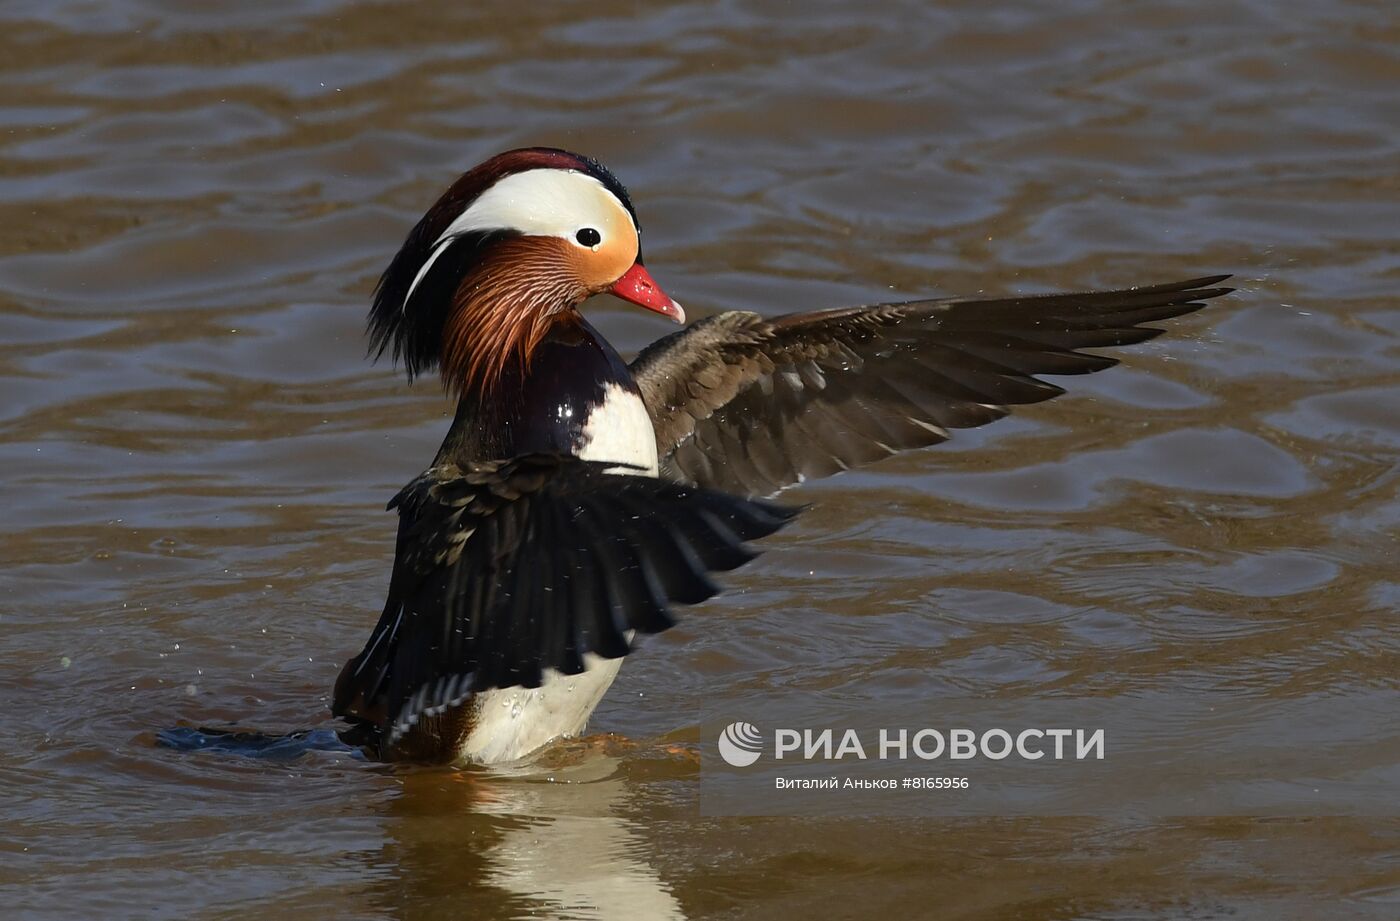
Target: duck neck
{"type": "Point", "coordinates": [539, 404]}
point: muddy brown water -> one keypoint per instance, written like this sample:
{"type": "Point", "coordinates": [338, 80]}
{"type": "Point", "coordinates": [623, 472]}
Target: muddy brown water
{"type": "Point", "coordinates": [196, 199]}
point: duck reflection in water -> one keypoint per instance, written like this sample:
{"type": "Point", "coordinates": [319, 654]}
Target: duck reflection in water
{"type": "Point", "coordinates": [486, 844]}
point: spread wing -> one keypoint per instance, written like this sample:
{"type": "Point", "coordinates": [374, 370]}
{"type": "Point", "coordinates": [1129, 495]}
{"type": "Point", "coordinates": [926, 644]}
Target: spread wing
{"type": "Point", "coordinates": [505, 569]}
{"type": "Point", "coordinates": [751, 406]}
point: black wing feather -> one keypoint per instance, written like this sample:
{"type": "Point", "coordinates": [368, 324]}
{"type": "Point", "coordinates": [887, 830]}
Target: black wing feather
{"type": "Point", "coordinates": [506, 569]}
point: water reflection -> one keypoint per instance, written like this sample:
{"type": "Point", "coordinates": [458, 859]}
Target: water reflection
{"type": "Point", "coordinates": [541, 843]}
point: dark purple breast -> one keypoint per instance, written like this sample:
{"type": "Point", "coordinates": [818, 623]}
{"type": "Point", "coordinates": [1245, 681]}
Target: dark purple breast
{"type": "Point", "coordinates": [546, 407]}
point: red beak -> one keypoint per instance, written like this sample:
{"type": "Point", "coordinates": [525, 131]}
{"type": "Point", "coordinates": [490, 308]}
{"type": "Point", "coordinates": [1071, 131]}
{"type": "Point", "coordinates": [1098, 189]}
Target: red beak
{"type": "Point", "coordinates": [636, 285]}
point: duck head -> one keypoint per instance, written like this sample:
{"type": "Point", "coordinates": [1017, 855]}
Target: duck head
{"type": "Point", "coordinates": [513, 246]}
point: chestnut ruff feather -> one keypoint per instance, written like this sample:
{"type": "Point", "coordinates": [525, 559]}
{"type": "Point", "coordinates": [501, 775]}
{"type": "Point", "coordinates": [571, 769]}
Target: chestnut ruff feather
{"type": "Point", "coordinates": [503, 308]}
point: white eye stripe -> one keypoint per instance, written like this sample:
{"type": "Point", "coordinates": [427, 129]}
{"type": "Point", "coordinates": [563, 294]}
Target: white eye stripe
{"type": "Point", "coordinates": [538, 202]}
{"type": "Point", "coordinates": [438, 248]}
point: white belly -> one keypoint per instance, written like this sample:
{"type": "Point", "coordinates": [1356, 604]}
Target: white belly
{"type": "Point", "coordinates": [510, 723]}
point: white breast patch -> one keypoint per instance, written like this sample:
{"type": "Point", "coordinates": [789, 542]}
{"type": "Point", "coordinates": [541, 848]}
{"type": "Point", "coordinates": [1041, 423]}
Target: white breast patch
{"type": "Point", "coordinates": [619, 429]}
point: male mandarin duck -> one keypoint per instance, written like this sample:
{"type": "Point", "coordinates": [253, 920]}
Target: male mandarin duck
{"type": "Point", "coordinates": [576, 496]}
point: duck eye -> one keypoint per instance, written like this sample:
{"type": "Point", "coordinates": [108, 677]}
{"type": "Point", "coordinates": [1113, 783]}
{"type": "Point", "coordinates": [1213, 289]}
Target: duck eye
{"type": "Point", "coordinates": [588, 237]}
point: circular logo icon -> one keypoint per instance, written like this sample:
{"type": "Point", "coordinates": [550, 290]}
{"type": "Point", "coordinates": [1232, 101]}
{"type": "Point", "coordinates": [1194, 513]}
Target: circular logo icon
{"type": "Point", "coordinates": [740, 744]}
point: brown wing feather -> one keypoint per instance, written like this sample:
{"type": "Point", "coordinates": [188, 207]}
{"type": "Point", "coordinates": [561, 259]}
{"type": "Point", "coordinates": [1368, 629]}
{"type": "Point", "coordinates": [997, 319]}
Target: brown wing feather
{"type": "Point", "coordinates": [752, 406]}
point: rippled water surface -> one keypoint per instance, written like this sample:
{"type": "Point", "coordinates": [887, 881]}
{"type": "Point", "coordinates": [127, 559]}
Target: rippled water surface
{"type": "Point", "coordinates": [195, 200]}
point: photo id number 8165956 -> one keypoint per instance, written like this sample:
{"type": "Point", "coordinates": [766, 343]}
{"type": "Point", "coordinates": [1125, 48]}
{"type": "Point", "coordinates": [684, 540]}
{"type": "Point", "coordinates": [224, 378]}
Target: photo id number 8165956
{"type": "Point", "coordinates": [935, 783]}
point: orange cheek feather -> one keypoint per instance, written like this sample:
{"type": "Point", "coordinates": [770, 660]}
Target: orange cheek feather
{"type": "Point", "coordinates": [600, 269]}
